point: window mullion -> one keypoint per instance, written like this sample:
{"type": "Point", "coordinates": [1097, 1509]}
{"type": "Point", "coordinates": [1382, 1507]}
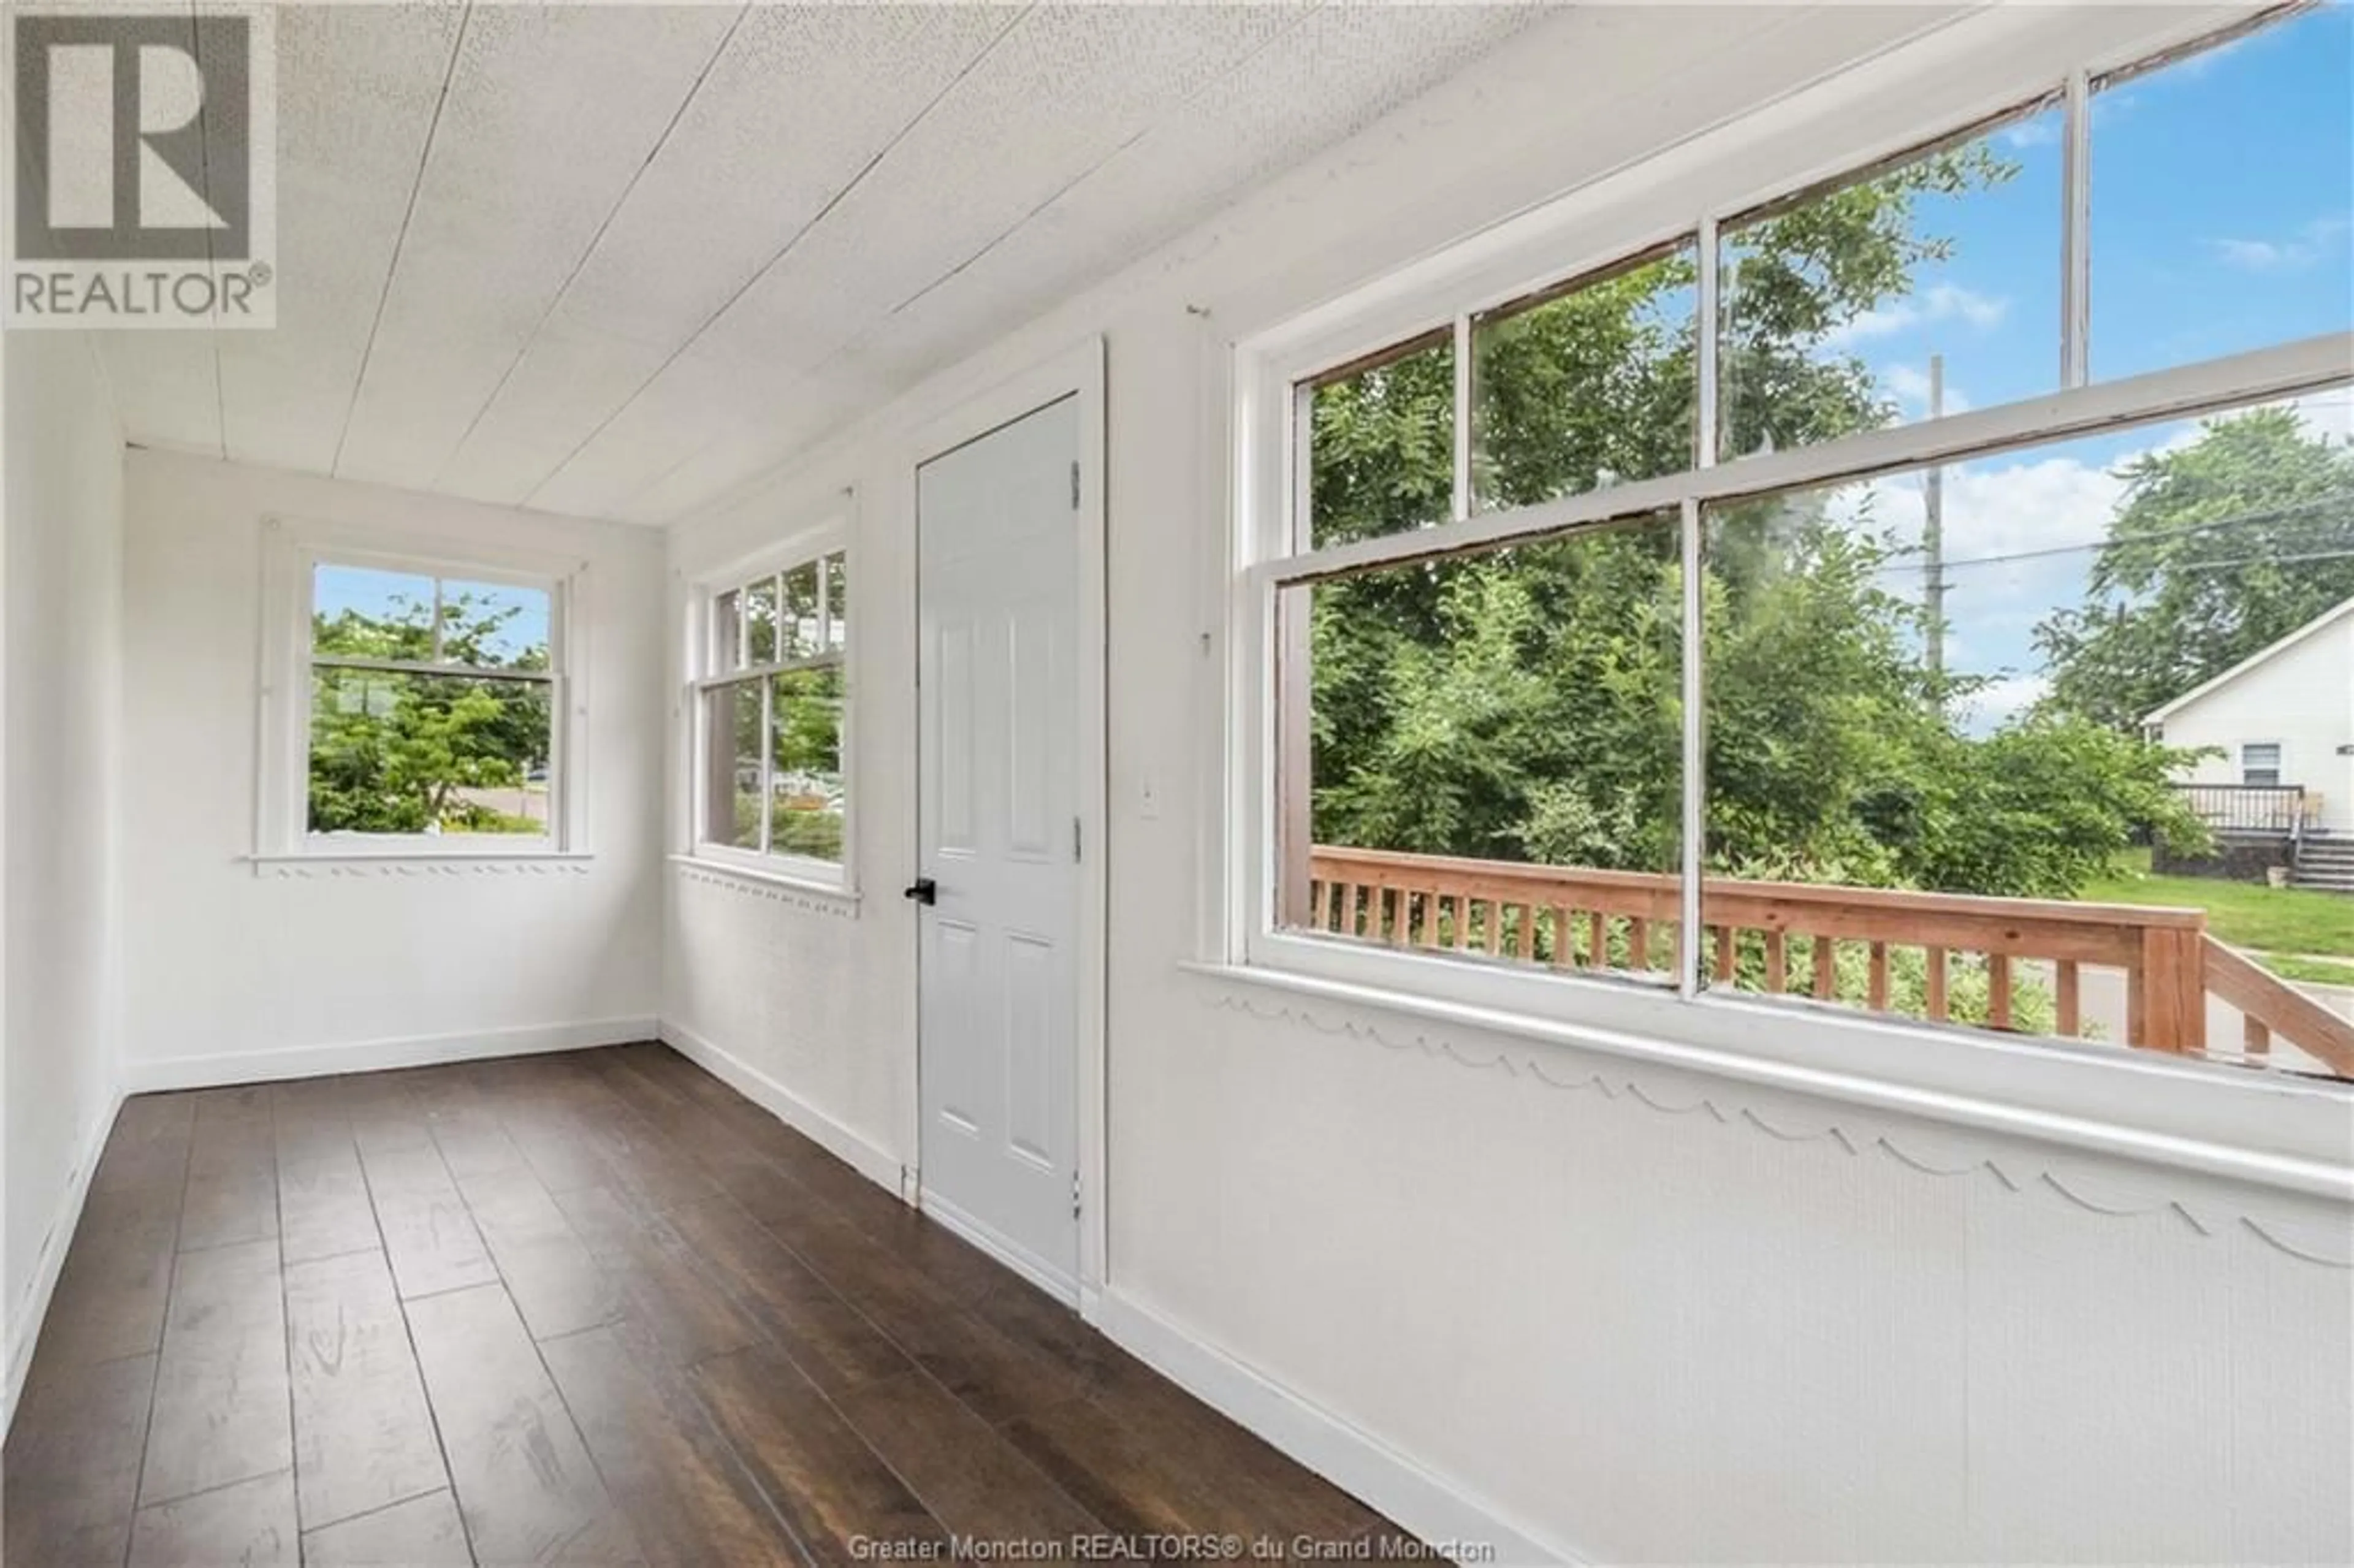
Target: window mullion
{"type": "Point", "coordinates": [1706, 348]}
{"type": "Point", "coordinates": [1693, 838]}
{"type": "Point", "coordinates": [437, 620]}
{"type": "Point", "coordinates": [2182, 392]}
{"type": "Point", "coordinates": [1461, 507]}
{"type": "Point", "coordinates": [454, 671]}
{"type": "Point", "coordinates": [767, 759]}
{"type": "Point", "coordinates": [1299, 535]}
{"type": "Point", "coordinates": [2075, 233]}
{"type": "Point", "coordinates": [737, 677]}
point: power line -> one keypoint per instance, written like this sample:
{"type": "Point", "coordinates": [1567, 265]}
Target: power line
{"type": "Point", "coordinates": [2267, 561]}
{"type": "Point", "coordinates": [2238, 520]}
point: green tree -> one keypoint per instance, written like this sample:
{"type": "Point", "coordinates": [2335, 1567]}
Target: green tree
{"type": "Point", "coordinates": [2219, 548]}
{"type": "Point", "coordinates": [1526, 703]}
{"type": "Point", "coordinates": [395, 751]}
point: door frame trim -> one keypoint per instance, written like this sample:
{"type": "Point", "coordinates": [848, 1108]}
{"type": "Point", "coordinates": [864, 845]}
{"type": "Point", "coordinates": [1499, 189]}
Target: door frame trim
{"type": "Point", "coordinates": [1077, 372]}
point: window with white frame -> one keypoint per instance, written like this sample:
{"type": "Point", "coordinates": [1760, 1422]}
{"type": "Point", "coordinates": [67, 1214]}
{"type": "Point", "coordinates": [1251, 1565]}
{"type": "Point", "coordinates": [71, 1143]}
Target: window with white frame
{"type": "Point", "coordinates": [770, 786]}
{"type": "Point", "coordinates": [1776, 611]}
{"type": "Point", "coordinates": [2259, 764]}
{"type": "Point", "coordinates": [414, 701]}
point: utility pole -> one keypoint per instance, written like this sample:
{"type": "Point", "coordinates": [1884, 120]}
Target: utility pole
{"type": "Point", "coordinates": [1933, 542]}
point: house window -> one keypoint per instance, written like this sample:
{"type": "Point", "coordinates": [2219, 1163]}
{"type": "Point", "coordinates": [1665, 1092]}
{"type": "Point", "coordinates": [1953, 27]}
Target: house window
{"type": "Point", "coordinates": [2259, 764]}
{"type": "Point", "coordinates": [771, 791]}
{"type": "Point", "coordinates": [414, 702]}
{"type": "Point", "coordinates": [1839, 704]}
{"type": "Point", "coordinates": [430, 709]}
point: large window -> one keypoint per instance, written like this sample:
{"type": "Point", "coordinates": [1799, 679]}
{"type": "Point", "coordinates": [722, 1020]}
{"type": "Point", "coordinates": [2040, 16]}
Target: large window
{"type": "Point", "coordinates": [1778, 611]}
{"type": "Point", "coordinates": [415, 704]}
{"type": "Point", "coordinates": [430, 709]}
{"type": "Point", "coordinates": [771, 789]}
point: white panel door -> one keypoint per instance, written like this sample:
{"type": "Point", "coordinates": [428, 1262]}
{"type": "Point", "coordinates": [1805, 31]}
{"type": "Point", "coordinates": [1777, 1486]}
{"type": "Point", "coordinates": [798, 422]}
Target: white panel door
{"type": "Point", "coordinates": [997, 533]}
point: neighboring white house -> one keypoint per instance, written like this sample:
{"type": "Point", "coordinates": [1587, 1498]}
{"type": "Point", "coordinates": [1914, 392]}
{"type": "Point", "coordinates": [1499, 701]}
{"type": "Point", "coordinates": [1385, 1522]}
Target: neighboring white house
{"type": "Point", "coordinates": [2282, 716]}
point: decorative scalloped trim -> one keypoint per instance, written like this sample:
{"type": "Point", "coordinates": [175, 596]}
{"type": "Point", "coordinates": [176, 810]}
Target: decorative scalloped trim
{"type": "Point", "coordinates": [2331, 1249]}
{"type": "Point", "coordinates": [455, 867]}
{"type": "Point", "coordinates": [773, 892]}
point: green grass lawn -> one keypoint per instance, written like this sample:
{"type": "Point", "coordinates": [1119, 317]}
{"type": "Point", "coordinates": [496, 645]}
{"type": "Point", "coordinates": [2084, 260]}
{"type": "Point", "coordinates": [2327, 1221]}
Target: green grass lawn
{"type": "Point", "coordinates": [2294, 920]}
{"type": "Point", "coordinates": [2320, 971]}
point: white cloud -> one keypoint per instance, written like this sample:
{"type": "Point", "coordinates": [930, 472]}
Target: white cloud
{"type": "Point", "coordinates": [2329, 414]}
{"type": "Point", "coordinates": [1910, 384]}
{"type": "Point", "coordinates": [2002, 506]}
{"type": "Point", "coordinates": [2255, 254]}
{"type": "Point", "coordinates": [2014, 503]}
{"type": "Point", "coordinates": [2021, 533]}
{"type": "Point", "coordinates": [2321, 237]}
{"type": "Point", "coordinates": [1938, 302]}
{"type": "Point", "coordinates": [2003, 699]}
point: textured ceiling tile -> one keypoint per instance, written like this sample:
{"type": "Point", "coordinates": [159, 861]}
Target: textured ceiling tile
{"type": "Point", "coordinates": [802, 101]}
{"type": "Point", "coordinates": [585, 317]}
{"type": "Point", "coordinates": [1330, 75]}
{"type": "Point", "coordinates": [166, 389]}
{"type": "Point", "coordinates": [1065, 89]}
{"type": "Point", "coordinates": [705, 391]}
{"type": "Point", "coordinates": [357, 89]}
{"type": "Point", "coordinates": [552, 112]}
{"type": "Point", "coordinates": [1341, 70]}
{"type": "Point", "coordinates": [1070, 88]}
{"type": "Point", "coordinates": [798, 418]}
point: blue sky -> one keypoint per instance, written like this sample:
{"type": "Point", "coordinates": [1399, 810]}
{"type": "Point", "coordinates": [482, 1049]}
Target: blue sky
{"type": "Point", "coordinates": [2222, 206]}
{"type": "Point", "coordinates": [407, 597]}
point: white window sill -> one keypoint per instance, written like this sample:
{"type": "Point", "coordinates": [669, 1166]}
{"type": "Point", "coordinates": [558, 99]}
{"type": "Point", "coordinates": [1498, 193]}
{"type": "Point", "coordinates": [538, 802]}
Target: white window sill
{"type": "Point", "coordinates": [768, 876]}
{"type": "Point", "coordinates": [2278, 1131]}
{"type": "Point", "coordinates": [395, 860]}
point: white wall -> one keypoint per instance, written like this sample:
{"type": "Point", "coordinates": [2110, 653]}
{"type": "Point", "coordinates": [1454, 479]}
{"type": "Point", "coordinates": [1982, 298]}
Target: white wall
{"type": "Point", "coordinates": [63, 549]}
{"type": "Point", "coordinates": [2302, 698]}
{"type": "Point", "coordinates": [739, 954]}
{"type": "Point", "coordinates": [1521, 1289]}
{"type": "Point", "coordinates": [231, 974]}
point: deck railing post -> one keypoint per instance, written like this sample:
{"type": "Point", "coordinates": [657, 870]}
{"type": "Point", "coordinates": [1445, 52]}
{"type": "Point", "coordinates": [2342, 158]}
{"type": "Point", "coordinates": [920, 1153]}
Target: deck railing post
{"type": "Point", "coordinates": [2174, 990]}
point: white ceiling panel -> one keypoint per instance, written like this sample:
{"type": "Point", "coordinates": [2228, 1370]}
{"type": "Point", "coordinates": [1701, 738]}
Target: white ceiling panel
{"type": "Point", "coordinates": [356, 94]}
{"type": "Point", "coordinates": [166, 387]}
{"type": "Point", "coordinates": [551, 112]}
{"type": "Point", "coordinates": [1334, 71]}
{"type": "Point", "coordinates": [611, 260]}
{"type": "Point", "coordinates": [1072, 86]}
{"type": "Point", "coordinates": [748, 168]}
{"type": "Point", "coordinates": [1068, 88]}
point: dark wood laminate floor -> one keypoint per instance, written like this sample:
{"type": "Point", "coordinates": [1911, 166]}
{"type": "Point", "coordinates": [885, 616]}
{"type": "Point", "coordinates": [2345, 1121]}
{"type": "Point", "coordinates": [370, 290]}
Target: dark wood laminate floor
{"type": "Point", "coordinates": [593, 1307]}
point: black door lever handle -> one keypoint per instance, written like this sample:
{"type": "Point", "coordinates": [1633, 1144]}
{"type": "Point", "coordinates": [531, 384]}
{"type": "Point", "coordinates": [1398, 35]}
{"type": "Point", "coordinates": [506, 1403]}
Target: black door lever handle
{"type": "Point", "coordinates": [924, 891]}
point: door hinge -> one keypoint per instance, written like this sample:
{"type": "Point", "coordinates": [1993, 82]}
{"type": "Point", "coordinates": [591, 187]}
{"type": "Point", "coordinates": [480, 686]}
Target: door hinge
{"type": "Point", "coordinates": [1078, 847]}
{"type": "Point", "coordinates": [1075, 1194]}
{"type": "Point", "coordinates": [1074, 485]}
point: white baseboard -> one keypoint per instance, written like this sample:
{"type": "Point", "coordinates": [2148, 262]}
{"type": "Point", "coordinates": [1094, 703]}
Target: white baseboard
{"type": "Point", "coordinates": [1433, 1507]}
{"type": "Point", "coordinates": [26, 1317]}
{"type": "Point", "coordinates": [374, 1055]}
{"type": "Point", "coordinates": [871, 1160]}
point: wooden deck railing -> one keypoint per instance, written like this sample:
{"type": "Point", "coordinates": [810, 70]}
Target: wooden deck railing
{"type": "Point", "coordinates": [1835, 944]}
